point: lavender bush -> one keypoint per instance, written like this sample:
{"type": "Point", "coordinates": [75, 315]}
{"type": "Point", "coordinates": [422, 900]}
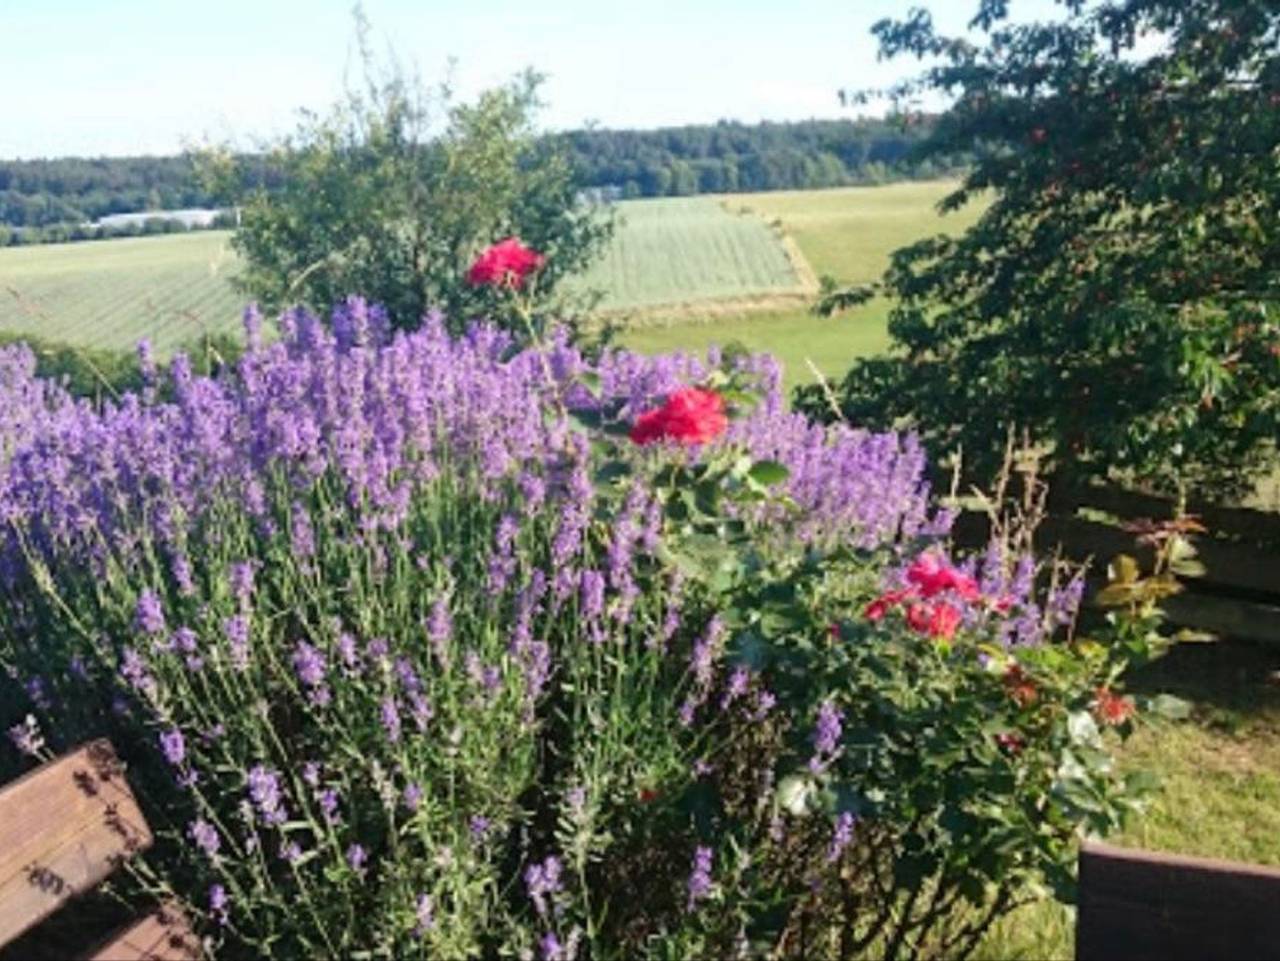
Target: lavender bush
{"type": "Point", "coordinates": [406, 661]}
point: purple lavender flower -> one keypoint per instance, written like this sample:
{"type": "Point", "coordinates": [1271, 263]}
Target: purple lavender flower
{"type": "Point", "coordinates": [550, 948]}
{"type": "Point", "coordinates": [357, 857]}
{"type": "Point", "coordinates": [237, 631]}
{"type": "Point", "coordinates": [291, 852]}
{"type": "Point", "coordinates": [311, 773]}
{"type": "Point", "coordinates": [841, 835]}
{"type": "Point", "coordinates": [264, 792]}
{"type": "Point", "coordinates": [739, 679]}
{"type": "Point", "coordinates": [591, 588]}
{"type": "Point", "coordinates": [766, 701]}
{"type": "Point", "coordinates": [440, 630]}
{"type": "Point", "coordinates": [412, 796]}
{"type": "Point", "coordinates": [700, 884]}
{"type": "Point", "coordinates": [174, 746]}
{"type": "Point", "coordinates": [420, 710]}
{"type": "Point", "coordinates": [425, 915]}
{"type": "Point", "coordinates": [302, 535]}
{"type": "Point", "coordinates": [826, 736]}
{"type": "Point", "coordinates": [389, 714]}
{"type": "Point", "coordinates": [218, 903]}
{"type": "Point", "coordinates": [542, 880]}
{"type": "Point", "coordinates": [149, 615]}
{"type": "Point", "coordinates": [180, 567]}
{"type": "Point", "coordinates": [328, 801]}
{"type": "Point", "coordinates": [308, 664]}
{"type": "Point", "coordinates": [205, 836]}
{"type": "Point", "coordinates": [479, 826]}
{"type": "Point", "coordinates": [242, 582]}
{"type": "Point", "coordinates": [348, 652]}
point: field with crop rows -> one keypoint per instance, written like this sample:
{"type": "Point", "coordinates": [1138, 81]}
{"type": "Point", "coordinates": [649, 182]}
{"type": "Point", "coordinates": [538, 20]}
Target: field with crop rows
{"type": "Point", "coordinates": [677, 251]}
{"type": "Point", "coordinates": [684, 250]}
{"type": "Point", "coordinates": [848, 233]}
{"type": "Point", "coordinates": [110, 293]}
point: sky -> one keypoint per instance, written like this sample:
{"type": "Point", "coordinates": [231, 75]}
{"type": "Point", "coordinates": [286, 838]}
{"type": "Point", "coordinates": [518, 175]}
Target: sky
{"type": "Point", "coordinates": [125, 77]}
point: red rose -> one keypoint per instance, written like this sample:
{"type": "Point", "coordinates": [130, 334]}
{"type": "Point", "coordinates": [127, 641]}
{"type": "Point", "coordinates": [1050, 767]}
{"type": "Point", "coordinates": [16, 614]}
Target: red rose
{"type": "Point", "coordinates": [1112, 708]}
{"type": "Point", "coordinates": [690, 416]}
{"type": "Point", "coordinates": [933, 576]}
{"type": "Point", "coordinates": [506, 263]}
{"type": "Point", "coordinates": [884, 603]}
{"type": "Point", "coordinates": [943, 620]}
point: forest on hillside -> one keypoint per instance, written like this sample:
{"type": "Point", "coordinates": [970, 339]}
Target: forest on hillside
{"type": "Point", "coordinates": [56, 199]}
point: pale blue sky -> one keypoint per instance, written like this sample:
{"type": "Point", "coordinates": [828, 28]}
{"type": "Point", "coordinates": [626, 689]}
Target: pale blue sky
{"type": "Point", "coordinates": [88, 77]}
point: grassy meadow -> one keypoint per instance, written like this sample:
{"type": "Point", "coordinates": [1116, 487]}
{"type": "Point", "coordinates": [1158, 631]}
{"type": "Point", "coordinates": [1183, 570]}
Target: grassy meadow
{"type": "Point", "coordinates": [848, 233]}
{"type": "Point", "coordinates": [110, 293]}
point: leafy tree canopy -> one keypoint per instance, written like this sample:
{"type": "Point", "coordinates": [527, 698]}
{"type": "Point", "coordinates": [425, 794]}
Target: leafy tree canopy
{"type": "Point", "coordinates": [393, 193]}
{"type": "Point", "coordinates": [1117, 301]}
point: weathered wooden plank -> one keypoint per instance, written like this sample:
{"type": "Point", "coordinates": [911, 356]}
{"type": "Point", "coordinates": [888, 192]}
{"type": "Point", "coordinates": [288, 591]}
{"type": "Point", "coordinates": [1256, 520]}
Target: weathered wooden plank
{"type": "Point", "coordinates": [1226, 616]}
{"type": "Point", "coordinates": [63, 828]}
{"type": "Point", "coordinates": [1139, 905]}
{"type": "Point", "coordinates": [1243, 522]}
{"type": "Point", "coordinates": [163, 935]}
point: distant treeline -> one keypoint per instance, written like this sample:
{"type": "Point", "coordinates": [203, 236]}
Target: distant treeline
{"type": "Point", "coordinates": [56, 200]}
{"type": "Point", "coordinates": [727, 157]}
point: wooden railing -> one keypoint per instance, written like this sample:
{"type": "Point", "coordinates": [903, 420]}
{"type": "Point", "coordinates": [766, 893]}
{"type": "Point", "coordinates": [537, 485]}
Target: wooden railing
{"type": "Point", "coordinates": [1238, 595]}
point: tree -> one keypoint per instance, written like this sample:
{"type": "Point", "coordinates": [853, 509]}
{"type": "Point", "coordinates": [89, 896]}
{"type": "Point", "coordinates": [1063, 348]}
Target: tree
{"type": "Point", "coordinates": [1117, 300]}
{"type": "Point", "coordinates": [373, 198]}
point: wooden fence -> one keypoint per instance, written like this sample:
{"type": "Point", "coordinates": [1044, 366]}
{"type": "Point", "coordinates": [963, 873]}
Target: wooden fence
{"type": "Point", "coordinates": [1238, 594]}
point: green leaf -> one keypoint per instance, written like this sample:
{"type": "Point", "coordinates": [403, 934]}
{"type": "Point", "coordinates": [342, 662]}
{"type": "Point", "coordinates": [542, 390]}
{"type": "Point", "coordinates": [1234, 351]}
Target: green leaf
{"type": "Point", "coordinates": [1083, 729]}
{"type": "Point", "coordinates": [794, 793]}
{"type": "Point", "coordinates": [1171, 708]}
{"type": "Point", "coordinates": [768, 472]}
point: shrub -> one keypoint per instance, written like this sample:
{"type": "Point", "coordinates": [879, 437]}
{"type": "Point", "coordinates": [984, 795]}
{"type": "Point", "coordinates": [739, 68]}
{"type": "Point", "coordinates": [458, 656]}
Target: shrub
{"type": "Point", "coordinates": [411, 650]}
{"type": "Point", "coordinates": [393, 191]}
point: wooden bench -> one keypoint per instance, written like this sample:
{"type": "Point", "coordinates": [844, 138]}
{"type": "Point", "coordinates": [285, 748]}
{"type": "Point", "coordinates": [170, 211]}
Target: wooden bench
{"type": "Point", "coordinates": [64, 828]}
{"type": "Point", "coordinates": [1139, 905]}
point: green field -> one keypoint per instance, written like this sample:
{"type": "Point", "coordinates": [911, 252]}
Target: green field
{"type": "Point", "coordinates": [172, 288]}
{"type": "Point", "coordinates": [110, 293]}
{"type": "Point", "coordinates": [848, 233]}
{"type": "Point", "coordinates": [687, 249]}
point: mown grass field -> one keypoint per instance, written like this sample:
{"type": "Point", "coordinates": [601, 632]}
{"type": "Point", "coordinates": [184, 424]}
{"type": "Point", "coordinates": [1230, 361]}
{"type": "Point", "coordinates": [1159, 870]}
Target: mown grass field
{"type": "Point", "coordinates": [848, 233]}
{"type": "Point", "coordinates": [169, 289]}
{"type": "Point", "coordinates": [684, 250]}
{"type": "Point", "coordinates": [173, 288]}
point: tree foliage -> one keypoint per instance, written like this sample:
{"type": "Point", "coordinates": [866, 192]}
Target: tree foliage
{"type": "Point", "coordinates": [1117, 301]}
{"type": "Point", "coordinates": [393, 192]}
{"type": "Point", "coordinates": [728, 156]}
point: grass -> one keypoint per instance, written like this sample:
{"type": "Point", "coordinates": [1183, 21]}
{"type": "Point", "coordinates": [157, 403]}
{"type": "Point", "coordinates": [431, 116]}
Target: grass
{"type": "Point", "coordinates": [848, 233]}
{"type": "Point", "coordinates": [688, 249]}
{"type": "Point", "coordinates": [110, 294]}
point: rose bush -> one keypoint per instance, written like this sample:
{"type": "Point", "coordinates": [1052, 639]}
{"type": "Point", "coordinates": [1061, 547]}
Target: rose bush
{"type": "Point", "coordinates": [412, 650]}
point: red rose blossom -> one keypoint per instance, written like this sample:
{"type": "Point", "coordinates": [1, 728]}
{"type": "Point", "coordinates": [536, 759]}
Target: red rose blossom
{"type": "Point", "coordinates": [1112, 708]}
{"type": "Point", "coordinates": [690, 416]}
{"type": "Point", "coordinates": [933, 575]}
{"type": "Point", "coordinates": [506, 264]}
